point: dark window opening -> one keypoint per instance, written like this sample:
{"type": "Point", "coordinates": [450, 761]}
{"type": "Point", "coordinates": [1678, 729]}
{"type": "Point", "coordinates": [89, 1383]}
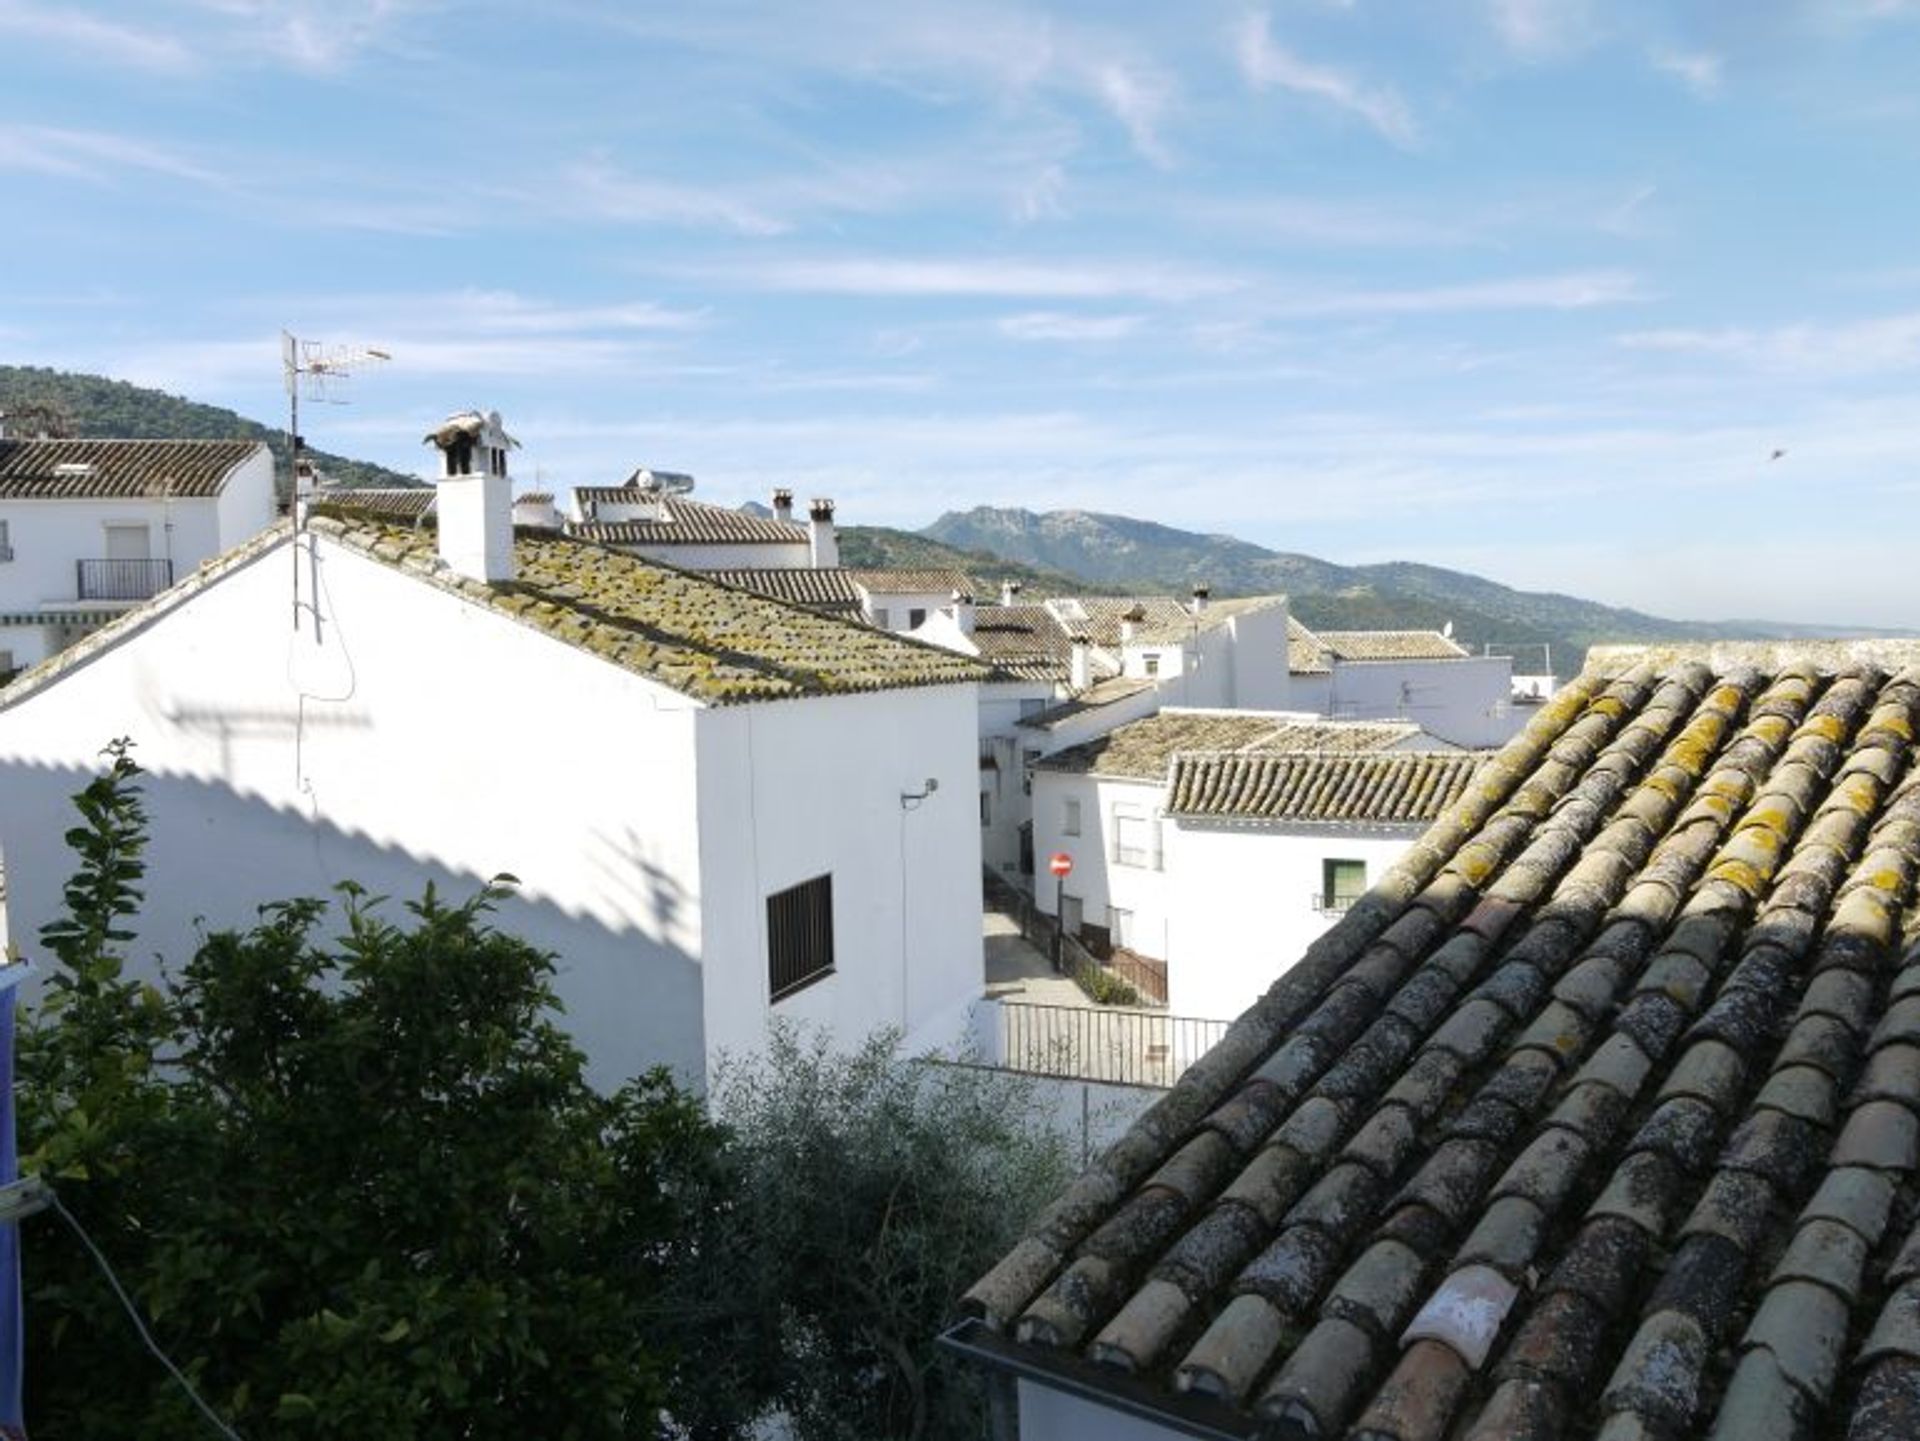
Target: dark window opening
{"type": "Point", "coordinates": [460, 456]}
{"type": "Point", "coordinates": [1341, 884]}
{"type": "Point", "coordinates": [916, 618]}
{"type": "Point", "coordinates": [799, 936]}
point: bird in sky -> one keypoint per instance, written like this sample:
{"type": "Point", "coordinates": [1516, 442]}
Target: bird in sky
{"type": "Point", "coordinates": [1776, 455]}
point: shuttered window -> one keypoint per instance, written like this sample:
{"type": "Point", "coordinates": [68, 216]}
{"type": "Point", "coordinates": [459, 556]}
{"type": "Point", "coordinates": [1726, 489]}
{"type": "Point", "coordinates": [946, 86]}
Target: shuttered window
{"type": "Point", "coordinates": [799, 936]}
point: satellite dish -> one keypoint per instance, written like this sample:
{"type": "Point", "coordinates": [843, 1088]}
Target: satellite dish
{"type": "Point", "coordinates": [661, 482]}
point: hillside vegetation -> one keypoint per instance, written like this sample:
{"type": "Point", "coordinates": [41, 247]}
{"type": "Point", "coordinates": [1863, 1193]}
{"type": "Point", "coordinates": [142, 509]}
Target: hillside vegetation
{"type": "Point", "coordinates": [878, 547]}
{"type": "Point", "coordinates": [91, 406]}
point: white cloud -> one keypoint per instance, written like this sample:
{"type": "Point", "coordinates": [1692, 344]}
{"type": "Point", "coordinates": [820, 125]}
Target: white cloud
{"type": "Point", "coordinates": [1265, 63]}
{"type": "Point", "coordinates": [1699, 71]}
{"type": "Point", "coordinates": [312, 35]}
{"type": "Point", "coordinates": [1579, 290]}
{"type": "Point", "coordinates": [1015, 53]}
{"type": "Point", "coordinates": [1862, 347]}
{"type": "Point", "coordinates": [1060, 325]}
{"type": "Point", "coordinates": [93, 155]}
{"type": "Point", "coordinates": [1543, 29]}
{"type": "Point", "coordinates": [886, 276]}
{"type": "Point", "coordinates": [93, 39]}
{"type": "Point", "coordinates": [596, 188]}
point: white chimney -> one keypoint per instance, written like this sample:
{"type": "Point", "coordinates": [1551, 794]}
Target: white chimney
{"type": "Point", "coordinates": [3, 425]}
{"type": "Point", "coordinates": [1009, 591]}
{"type": "Point", "coordinates": [474, 505]}
{"type": "Point", "coordinates": [963, 612]}
{"type": "Point", "coordinates": [820, 537]}
{"type": "Point", "coordinates": [1130, 623]}
{"type": "Point", "coordinates": [1080, 666]}
{"type": "Point", "coordinates": [783, 505]}
{"type": "Point", "coordinates": [1200, 594]}
{"type": "Point", "coordinates": [535, 510]}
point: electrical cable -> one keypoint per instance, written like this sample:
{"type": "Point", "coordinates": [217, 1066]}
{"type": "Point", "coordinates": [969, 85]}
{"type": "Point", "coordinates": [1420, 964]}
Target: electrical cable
{"type": "Point", "coordinates": [133, 1315]}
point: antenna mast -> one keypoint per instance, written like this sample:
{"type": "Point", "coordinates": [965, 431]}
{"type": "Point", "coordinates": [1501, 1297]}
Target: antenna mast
{"type": "Point", "coordinates": [318, 371]}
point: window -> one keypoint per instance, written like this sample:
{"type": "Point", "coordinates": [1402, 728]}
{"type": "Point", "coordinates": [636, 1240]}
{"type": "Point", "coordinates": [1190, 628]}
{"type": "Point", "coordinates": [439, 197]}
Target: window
{"type": "Point", "coordinates": [1070, 817]}
{"type": "Point", "coordinates": [1071, 914]}
{"type": "Point", "coordinates": [129, 542]}
{"type": "Point", "coordinates": [6, 540]}
{"type": "Point", "coordinates": [986, 808]}
{"type": "Point", "coordinates": [1120, 927]}
{"type": "Point", "coordinates": [1136, 840]}
{"type": "Point", "coordinates": [1028, 760]}
{"type": "Point", "coordinates": [1341, 884]}
{"type": "Point", "coordinates": [799, 936]}
{"type": "Point", "coordinates": [916, 617]}
{"type": "Point", "coordinates": [882, 617]}
{"type": "Point", "coordinates": [1027, 707]}
{"type": "Point", "coordinates": [1152, 664]}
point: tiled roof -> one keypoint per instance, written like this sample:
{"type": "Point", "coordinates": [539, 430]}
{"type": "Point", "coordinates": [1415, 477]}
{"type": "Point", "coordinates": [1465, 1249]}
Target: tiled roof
{"type": "Point", "coordinates": [1099, 616]}
{"type": "Point", "coordinates": [917, 582]}
{"type": "Point", "coordinates": [828, 590]}
{"type": "Point", "coordinates": [1217, 612]}
{"type": "Point", "coordinates": [1143, 749]}
{"type": "Point", "coordinates": [720, 645]}
{"type": "Point", "coordinates": [1400, 787]}
{"type": "Point", "coordinates": [1305, 654]}
{"type": "Point", "coordinates": [689, 522]}
{"type": "Point", "coordinates": [1390, 645]}
{"type": "Point", "coordinates": [393, 502]}
{"type": "Point", "coordinates": [1598, 1116]}
{"type": "Point", "coordinates": [118, 469]}
{"type": "Point", "coordinates": [1094, 697]}
{"type": "Point", "coordinates": [1023, 640]}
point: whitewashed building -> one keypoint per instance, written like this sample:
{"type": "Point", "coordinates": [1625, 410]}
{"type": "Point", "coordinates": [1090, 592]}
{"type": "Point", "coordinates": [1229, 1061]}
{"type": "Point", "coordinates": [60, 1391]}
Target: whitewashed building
{"type": "Point", "coordinates": [652, 515]}
{"type": "Point", "coordinates": [90, 528]}
{"type": "Point", "coordinates": [1423, 676]}
{"type": "Point", "coordinates": [720, 809]}
{"type": "Point", "coordinates": [1219, 892]}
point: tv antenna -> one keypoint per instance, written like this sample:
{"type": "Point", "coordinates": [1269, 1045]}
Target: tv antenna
{"type": "Point", "coordinates": [319, 372]}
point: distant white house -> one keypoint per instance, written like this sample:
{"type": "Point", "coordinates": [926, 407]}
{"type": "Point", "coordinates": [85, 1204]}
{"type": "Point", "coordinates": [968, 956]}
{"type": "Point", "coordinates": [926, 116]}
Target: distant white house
{"type": "Point", "coordinates": [1423, 676]}
{"type": "Point", "coordinates": [90, 528]}
{"type": "Point", "coordinates": [652, 515]}
{"type": "Point", "coordinates": [721, 809]}
{"type": "Point", "coordinates": [1216, 840]}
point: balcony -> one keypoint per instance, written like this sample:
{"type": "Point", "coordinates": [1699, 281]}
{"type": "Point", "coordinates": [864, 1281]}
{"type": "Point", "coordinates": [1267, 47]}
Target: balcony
{"type": "Point", "coordinates": [1335, 905]}
{"type": "Point", "coordinates": [122, 579]}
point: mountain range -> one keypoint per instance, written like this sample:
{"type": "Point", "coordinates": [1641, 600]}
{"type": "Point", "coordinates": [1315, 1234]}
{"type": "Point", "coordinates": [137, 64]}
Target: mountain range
{"type": "Point", "coordinates": [1052, 553]}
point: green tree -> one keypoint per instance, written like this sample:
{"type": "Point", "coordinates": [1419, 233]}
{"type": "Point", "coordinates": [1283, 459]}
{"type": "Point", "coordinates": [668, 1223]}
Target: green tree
{"type": "Point", "coordinates": [867, 1191]}
{"type": "Point", "coordinates": [360, 1187]}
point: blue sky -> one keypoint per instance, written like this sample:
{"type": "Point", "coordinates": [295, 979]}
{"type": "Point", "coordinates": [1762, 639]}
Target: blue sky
{"type": "Point", "coordinates": [1532, 287]}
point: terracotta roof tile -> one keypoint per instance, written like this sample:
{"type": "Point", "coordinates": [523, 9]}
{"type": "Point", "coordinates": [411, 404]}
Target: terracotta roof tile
{"type": "Point", "coordinates": [1682, 1033]}
{"type": "Point", "coordinates": [1146, 748]}
{"type": "Point", "coordinates": [1389, 645]}
{"type": "Point", "coordinates": [686, 522]}
{"type": "Point", "coordinates": [109, 469]}
{"type": "Point", "coordinates": [829, 590]}
{"type": "Point", "coordinates": [938, 581]}
{"type": "Point", "coordinates": [1399, 787]}
{"type": "Point", "coordinates": [409, 502]}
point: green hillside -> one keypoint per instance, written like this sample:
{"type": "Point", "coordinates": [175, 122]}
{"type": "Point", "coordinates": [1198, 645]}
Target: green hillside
{"type": "Point", "coordinates": [877, 547]}
{"type": "Point", "coordinates": [56, 402]}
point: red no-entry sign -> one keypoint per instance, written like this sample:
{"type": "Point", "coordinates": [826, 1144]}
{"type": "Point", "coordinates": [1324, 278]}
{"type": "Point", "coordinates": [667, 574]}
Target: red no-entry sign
{"type": "Point", "coordinates": [1060, 863]}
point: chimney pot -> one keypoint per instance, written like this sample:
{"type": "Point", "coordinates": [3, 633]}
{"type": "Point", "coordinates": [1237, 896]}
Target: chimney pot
{"type": "Point", "coordinates": [822, 543]}
{"type": "Point", "coordinates": [473, 505]}
{"type": "Point", "coordinates": [783, 504]}
{"type": "Point", "coordinates": [1200, 594]}
{"type": "Point", "coordinates": [963, 611]}
{"type": "Point", "coordinates": [1009, 589]}
{"type": "Point", "coordinates": [1080, 665]}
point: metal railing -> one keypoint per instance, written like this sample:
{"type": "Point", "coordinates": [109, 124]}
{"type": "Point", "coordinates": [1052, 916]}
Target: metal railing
{"type": "Point", "coordinates": [1089, 1043]}
{"type": "Point", "coordinates": [1335, 905]}
{"type": "Point", "coordinates": [122, 579]}
{"type": "Point", "coordinates": [1145, 974]}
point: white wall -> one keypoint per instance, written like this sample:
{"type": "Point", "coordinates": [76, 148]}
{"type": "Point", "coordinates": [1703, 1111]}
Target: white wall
{"type": "Point", "coordinates": [795, 789]}
{"type": "Point", "coordinates": [247, 504]}
{"type": "Point", "coordinates": [1010, 806]}
{"type": "Point", "coordinates": [1240, 903]}
{"type": "Point", "coordinates": [1050, 1415]}
{"type": "Point", "coordinates": [1258, 645]}
{"type": "Point", "coordinates": [768, 555]}
{"type": "Point", "coordinates": [900, 605]}
{"type": "Point", "coordinates": [1099, 880]}
{"type": "Point", "coordinates": [386, 755]}
{"type": "Point", "coordinates": [49, 536]}
{"type": "Point", "coordinates": [1466, 701]}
